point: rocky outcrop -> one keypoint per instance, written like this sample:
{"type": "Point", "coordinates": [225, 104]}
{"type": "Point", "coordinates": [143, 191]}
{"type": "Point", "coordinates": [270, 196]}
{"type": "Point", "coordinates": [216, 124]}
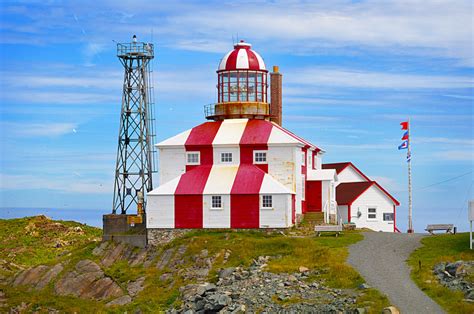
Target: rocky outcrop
{"type": "Point", "coordinates": [37, 277]}
{"type": "Point", "coordinates": [457, 276]}
{"type": "Point", "coordinates": [88, 281]}
{"type": "Point", "coordinates": [241, 290]}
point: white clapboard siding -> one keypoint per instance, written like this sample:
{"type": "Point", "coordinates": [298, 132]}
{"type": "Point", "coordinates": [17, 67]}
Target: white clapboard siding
{"type": "Point", "coordinates": [172, 161]}
{"type": "Point", "coordinates": [160, 211]}
{"type": "Point", "coordinates": [350, 175]}
{"type": "Point", "coordinates": [216, 218]}
{"type": "Point", "coordinates": [277, 217]}
{"type": "Point", "coordinates": [372, 197]}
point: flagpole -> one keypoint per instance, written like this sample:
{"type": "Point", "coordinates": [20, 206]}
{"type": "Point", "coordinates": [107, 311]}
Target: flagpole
{"type": "Point", "coordinates": [410, 224]}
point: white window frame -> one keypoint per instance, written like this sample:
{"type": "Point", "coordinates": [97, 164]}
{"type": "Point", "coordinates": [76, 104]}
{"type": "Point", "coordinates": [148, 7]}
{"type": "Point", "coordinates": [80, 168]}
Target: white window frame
{"type": "Point", "coordinates": [368, 213]}
{"type": "Point", "coordinates": [227, 161]}
{"type": "Point", "coordinates": [383, 217]}
{"type": "Point", "coordinates": [220, 201]}
{"type": "Point", "coordinates": [255, 152]}
{"type": "Point", "coordinates": [262, 198]}
{"type": "Point", "coordinates": [193, 153]}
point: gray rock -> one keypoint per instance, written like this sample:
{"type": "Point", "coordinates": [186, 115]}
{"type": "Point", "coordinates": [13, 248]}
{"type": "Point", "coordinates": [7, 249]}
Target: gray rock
{"type": "Point", "coordinates": [164, 258]}
{"type": "Point", "coordinates": [30, 276]}
{"type": "Point", "coordinates": [135, 287]}
{"type": "Point", "coordinates": [364, 286]}
{"type": "Point", "coordinates": [99, 250]}
{"type": "Point", "coordinates": [52, 273]}
{"type": "Point", "coordinates": [125, 299]}
{"type": "Point", "coordinates": [226, 272]}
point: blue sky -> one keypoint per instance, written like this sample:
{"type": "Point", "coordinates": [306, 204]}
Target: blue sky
{"type": "Point", "coordinates": [353, 70]}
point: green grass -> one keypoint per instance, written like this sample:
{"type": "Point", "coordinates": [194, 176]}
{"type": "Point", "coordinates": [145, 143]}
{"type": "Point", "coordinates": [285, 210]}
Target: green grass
{"type": "Point", "coordinates": [437, 249]}
{"type": "Point", "coordinates": [326, 255]}
{"type": "Point", "coordinates": [30, 241]}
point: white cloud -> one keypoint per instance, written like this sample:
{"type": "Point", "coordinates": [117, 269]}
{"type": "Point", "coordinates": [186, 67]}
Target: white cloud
{"type": "Point", "coordinates": [456, 155]}
{"type": "Point", "coordinates": [387, 183]}
{"type": "Point", "coordinates": [73, 185]}
{"type": "Point", "coordinates": [37, 129]}
{"type": "Point", "coordinates": [443, 140]}
{"type": "Point", "coordinates": [315, 76]}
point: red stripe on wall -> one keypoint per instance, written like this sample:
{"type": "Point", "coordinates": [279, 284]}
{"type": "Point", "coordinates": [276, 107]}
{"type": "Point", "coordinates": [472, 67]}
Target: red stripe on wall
{"type": "Point", "coordinates": [188, 211]}
{"type": "Point", "coordinates": [188, 198]}
{"type": "Point", "coordinates": [245, 198]}
{"type": "Point", "coordinates": [254, 137]}
{"type": "Point", "coordinates": [293, 208]}
{"type": "Point", "coordinates": [200, 140]}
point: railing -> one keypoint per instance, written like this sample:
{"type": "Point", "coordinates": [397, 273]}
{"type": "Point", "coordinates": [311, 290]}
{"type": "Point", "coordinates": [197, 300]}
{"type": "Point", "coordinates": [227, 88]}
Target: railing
{"type": "Point", "coordinates": [236, 108]}
{"type": "Point", "coordinates": [330, 208]}
{"type": "Point", "coordinates": [135, 49]}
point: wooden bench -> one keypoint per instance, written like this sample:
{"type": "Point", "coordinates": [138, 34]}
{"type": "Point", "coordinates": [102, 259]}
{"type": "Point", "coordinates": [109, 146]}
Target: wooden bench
{"type": "Point", "coordinates": [440, 227]}
{"type": "Point", "coordinates": [328, 228]}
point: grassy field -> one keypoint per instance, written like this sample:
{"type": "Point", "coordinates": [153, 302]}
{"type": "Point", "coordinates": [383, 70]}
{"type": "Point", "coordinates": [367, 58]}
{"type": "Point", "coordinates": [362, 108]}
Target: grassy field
{"type": "Point", "coordinates": [437, 249]}
{"type": "Point", "coordinates": [326, 254]}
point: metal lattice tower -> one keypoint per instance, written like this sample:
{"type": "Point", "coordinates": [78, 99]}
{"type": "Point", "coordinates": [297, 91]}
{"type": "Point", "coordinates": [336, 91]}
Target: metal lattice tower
{"type": "Point", "coordinates": [135, 155]}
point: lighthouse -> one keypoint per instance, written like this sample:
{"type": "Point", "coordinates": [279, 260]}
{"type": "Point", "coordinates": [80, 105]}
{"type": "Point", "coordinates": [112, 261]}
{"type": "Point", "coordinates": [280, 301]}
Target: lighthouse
{"type": "Point", "coordinates": [242, 84]}
{"type": "Point", "coordinates": [242, 169]}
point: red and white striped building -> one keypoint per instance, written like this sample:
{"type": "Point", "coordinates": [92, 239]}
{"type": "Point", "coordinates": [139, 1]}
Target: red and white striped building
{"type": "Point", "coordinates": [242, 169]}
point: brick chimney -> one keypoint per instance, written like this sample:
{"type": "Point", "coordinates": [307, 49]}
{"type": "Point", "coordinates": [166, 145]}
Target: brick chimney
{"type": "Point", "coordinates": [275, 95]}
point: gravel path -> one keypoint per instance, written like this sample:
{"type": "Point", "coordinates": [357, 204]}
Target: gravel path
{"type": "Point", "coordinates": [380, 259]}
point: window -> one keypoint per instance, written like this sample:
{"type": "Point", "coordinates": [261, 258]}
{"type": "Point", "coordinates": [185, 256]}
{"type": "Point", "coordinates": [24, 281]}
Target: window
{"type": "Point", "coordinates": [216, 202]}
{"type": "Point", "coordinates": [260, 157]}
{"type": "Point", "coordinates": [226, 157]}
{"type": "Point", "coordinates": [372, 213]}
{"type": "Point", "coordinates": [193, 158]}
{"type": "Point", "coordinates": [387, 216]}
{"type": "Point", "coordinates": [303, 157]}
{"type": "Point", "coordinates": [267, 201]}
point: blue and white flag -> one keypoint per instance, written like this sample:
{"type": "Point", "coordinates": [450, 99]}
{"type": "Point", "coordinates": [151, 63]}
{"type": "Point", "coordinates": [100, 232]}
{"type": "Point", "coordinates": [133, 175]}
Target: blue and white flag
{"type": "Point", "coordinates": [404, 145]}
{"type": "Point", "coordinates": [408, 157]}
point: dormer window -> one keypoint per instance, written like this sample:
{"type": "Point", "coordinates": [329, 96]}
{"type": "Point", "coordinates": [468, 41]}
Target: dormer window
{"type": "Point", "coordinates": [193, 158]}
{"type": "Point", "coordinates": [260, 157]}
{"type": "Point", "coordinates": [226, 157]}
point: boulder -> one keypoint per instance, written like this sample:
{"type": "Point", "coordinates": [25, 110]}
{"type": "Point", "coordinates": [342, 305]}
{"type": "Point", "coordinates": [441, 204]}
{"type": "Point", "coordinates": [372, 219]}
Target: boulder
{"type": "Point", "coordinates": [52, 273]}
{"type": "Point", "coordinates": [165, 259]}
{"type": "Point", "coordinates": [113, 254]}
{"type": "Point", "coordinates": [135, 287]}
{"type": "Point", "coordinates": [303, 269]}
{"type": "Point", "coordinates": [226, 272]}
{"type": "Point", "coordinates": [125, 299]}
{"type": "Point", "coordinates": [390, 310]}
{"type": "Point", "coordinates": [31, 276]}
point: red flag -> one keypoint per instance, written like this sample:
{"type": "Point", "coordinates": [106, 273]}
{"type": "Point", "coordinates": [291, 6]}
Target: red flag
{"type": "Point", "coordinates": [404, 125]}
{"type": "Point", "coordinates": [405, 136]}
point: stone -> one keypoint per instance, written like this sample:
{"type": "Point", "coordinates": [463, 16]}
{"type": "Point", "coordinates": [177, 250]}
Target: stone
{"type": "Point", "coordinates": [135, 287]}
{"type": "Point", "coordinates": [125, 299]}
{"type": "Point", "coordinates": [52, 273]}
{"type": "Point", "coordinates": [137, 258]}
{"type": "Point", "coordinates": [226, 272]}
{"type": "Point", "coordinates": [30, 276]}
{"type": "Point", "coordinates": [164, 259]}
{"type": "Point", "coordinates": [364, 286]}
{"type": "Point", "coordinates": [361, 310]}
{"type": "Point", "coordinates": [292, 278]}
{"type": "Point", "coordinates": [113, 255]}
{"type": "Point", "coordinates": [99, 250]}
{"type": "Point", "coordinates": [390, 310]}
{"type": "Point", "coordinates": [303, 269]}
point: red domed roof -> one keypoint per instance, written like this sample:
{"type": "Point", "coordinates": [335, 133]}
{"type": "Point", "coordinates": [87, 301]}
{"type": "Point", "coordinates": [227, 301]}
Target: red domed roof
{"type": "Point", "coordinates": [242, 58]}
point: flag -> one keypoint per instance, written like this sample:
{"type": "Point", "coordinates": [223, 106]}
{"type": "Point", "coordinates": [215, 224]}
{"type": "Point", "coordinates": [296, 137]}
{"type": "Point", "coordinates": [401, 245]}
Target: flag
{"type": "Point", "coordinates": [404, 145]}
{"type": "Point", "coordinates": [408, 157]}
{"type": "Point", "coordinates": [405, 136]}
{"type": "Point", "coordinates": [404, 125]}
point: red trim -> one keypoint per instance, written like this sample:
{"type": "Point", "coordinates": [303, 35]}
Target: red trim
{"type": "Point", "coordinates": [293, 208]}
{"type": "Point", "coordinates": [340, 166]}
{"type": "Point", "coordinates": [349, 212]}
{"type": "Point", "coordinates": [394, 220]}
{"type": "Point", "coordinates": [314, 202]}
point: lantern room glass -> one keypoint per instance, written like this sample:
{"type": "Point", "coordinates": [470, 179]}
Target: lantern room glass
{"type": "Point", "coordinates": [245, 86]}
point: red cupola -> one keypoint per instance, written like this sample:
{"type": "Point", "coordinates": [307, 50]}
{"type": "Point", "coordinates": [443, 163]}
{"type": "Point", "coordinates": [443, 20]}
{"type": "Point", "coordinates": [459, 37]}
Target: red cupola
{"type": "Point", "coordinates": [242, 86]}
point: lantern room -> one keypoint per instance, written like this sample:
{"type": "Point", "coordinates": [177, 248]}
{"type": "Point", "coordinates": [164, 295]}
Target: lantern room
{"type": "Point", "coordinates": [242, 85]}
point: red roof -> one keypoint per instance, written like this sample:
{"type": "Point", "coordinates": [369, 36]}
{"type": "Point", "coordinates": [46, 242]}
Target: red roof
{"type": "Point", "coordinates": [347, 193]}
{"type": "Point", "coordinates": [339, 166]}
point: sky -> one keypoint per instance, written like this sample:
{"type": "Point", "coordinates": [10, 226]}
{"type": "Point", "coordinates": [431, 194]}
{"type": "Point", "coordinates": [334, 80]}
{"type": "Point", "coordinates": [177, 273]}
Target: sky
{"type": "Point", "coordinates": [352, 71]}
